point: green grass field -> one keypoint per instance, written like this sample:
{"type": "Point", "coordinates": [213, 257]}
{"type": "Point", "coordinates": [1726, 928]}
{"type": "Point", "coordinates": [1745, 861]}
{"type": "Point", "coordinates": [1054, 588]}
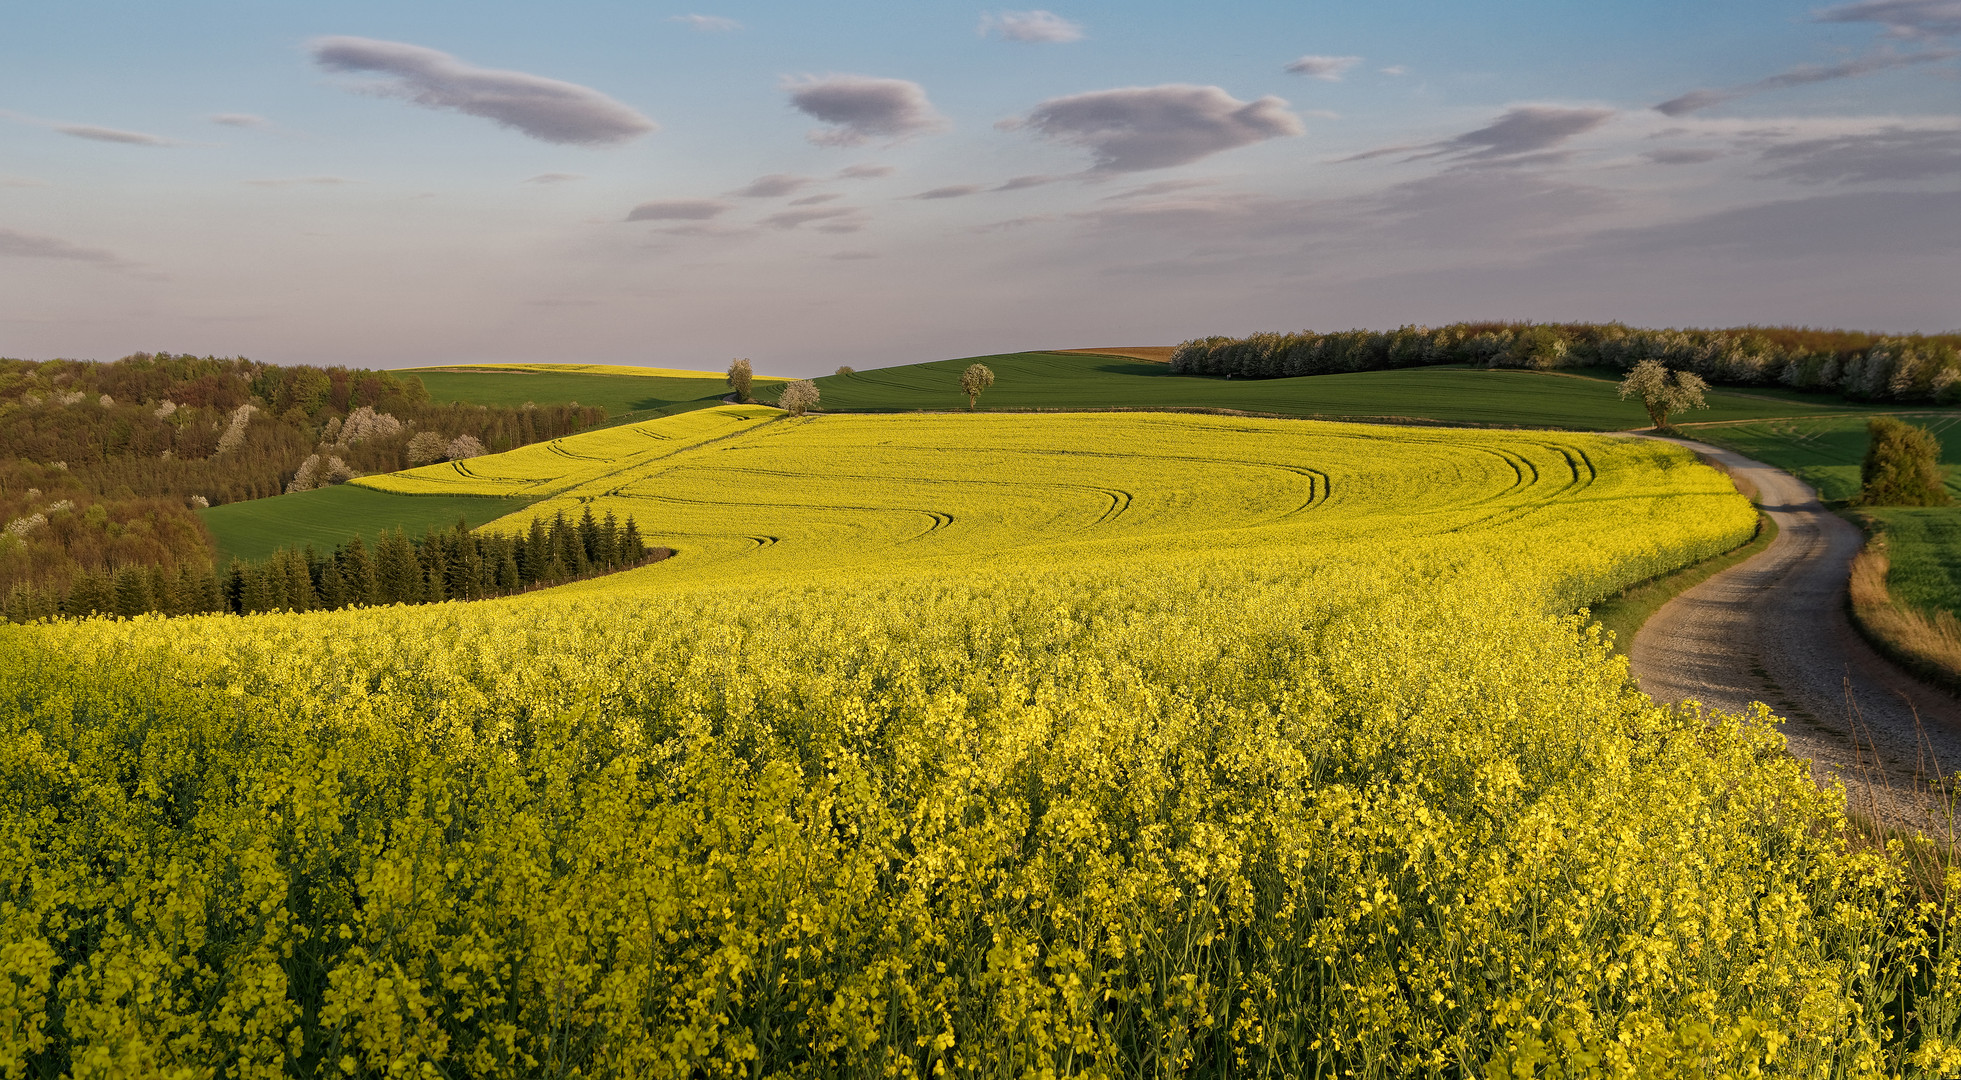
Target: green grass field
{"type": "Point", "coordinates": [1447, 395]}
{"type": "Point", "coordinates": [625, 397]}
{"type": "Point", "coordinates": [1923, 543]}
{"type": "Point", "coordinates": [330, 516]}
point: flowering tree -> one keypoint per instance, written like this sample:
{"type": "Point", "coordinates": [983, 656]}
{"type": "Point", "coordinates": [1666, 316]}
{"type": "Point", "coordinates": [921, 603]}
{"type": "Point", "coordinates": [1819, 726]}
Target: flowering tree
{"type": "Point", "coordinates": [1663, 392]}
{"type": "Point", "coordinates": [973, 380]}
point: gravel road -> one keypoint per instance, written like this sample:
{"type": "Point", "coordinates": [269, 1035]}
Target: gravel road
{"type": "Point", "coordinates": [1775, 629]}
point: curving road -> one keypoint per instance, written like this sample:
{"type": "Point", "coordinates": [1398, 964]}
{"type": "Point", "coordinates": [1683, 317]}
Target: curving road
{"type": "Point", "coordinates": [1775, 629]}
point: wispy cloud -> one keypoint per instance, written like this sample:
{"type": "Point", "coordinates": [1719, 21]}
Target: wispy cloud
{"type": "Point", "coordinates": [113, 135]}
{"type": "Point", "coordinates": [1524, 130]}
{"type": "Point", "coordinates": [1892, 154]}
{"type": "Point", "coordinates": [241, 120]}
{"type": "Point", "coordinates": [816, 200]}
{"type": "Point", "coordinates": [1162, 187]}
{"type": "Point", "coordinates": [773, 186]}
{"type": "Point", "coordinates": [302, 181]}
{"type": "Point", "coordinates": [1395, 69]}
{"type": "Point", "coordinates": [1802, 75]}
{"type": "Point", "coordinates": [678, 210]}
{"type": "Point", "coordinates": [1683, 156]}
{"type": "Point", "coordinates": [835, 219]}
{"type": "Point", "coordinates": [545, 109]}
{"type": "Point", "coordinates": [1034, 27]}
{"type": "Point", "coordinates": [951, 191]}
{"type": "Point", "coordinates": [1022, 183]}
{"type": "Point", "coordinates": [865, 172]}
{"type": "Point", "coordinates": [860, 108]}
{"type": "Point", "coordinates": [24, 245]}
{"type": "Point", "coordinates": [1156, 127]}
{"type": "Point", "coordinates": [1901, 18]}
{"type": "Point", "coordinates": [708, 24]}
{"type": "Point", "coordinates": [1327, 68]}
{"type": "Point", "coordinates": [553, 178]}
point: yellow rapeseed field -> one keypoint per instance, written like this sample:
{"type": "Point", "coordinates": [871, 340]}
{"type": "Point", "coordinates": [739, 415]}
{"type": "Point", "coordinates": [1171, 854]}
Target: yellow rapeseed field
{"type": "Point", "coordinates": [1111, 745]}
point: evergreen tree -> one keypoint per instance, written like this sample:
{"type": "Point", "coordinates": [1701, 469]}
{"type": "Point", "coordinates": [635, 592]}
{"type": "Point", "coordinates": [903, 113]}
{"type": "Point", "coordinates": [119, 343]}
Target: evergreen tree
{"type": "Point", "coordinates": [132, 595]}
{"type": "Point", "coordinates": [398, 573]}
{"type": "Point", "coordinates": [357, 572]}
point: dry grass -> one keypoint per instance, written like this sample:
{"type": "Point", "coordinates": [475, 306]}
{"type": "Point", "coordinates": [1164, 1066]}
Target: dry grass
{"type": "Point", "coordinates": [1931, 647]}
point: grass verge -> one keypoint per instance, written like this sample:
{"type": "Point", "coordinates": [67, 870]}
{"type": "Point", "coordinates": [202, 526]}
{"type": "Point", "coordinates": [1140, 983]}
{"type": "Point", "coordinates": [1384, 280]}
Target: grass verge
{"type": "Point", "coordinates": [1927, 645]}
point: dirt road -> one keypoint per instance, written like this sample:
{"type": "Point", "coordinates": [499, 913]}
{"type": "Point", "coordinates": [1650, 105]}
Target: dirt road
{"type": "Point", "coordinates": [1775, 629]}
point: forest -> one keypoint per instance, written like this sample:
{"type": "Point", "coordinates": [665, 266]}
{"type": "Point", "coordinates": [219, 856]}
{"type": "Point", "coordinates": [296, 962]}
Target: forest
{"type": "Point", "coordinates": [442, 564]}
{"type": "Point", "coordinates": [104, 465]}
{"type": "Point", "coordinates": [1855, 365]}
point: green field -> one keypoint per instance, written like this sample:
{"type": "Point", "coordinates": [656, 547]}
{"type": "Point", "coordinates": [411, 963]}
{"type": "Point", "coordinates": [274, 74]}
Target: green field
{"type": "Point", "coordinates": [624, 397]}
{"type": "Point", "coordinates": [329, 517]}
{"type": "Point", "coordinates": [1448, 395]}
{"type": "Point", "coordinates": [1923, 543]}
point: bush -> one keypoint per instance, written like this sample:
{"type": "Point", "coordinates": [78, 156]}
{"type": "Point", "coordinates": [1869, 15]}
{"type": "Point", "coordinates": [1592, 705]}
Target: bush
{"type": "Point", "coordinates": [1902, 466]}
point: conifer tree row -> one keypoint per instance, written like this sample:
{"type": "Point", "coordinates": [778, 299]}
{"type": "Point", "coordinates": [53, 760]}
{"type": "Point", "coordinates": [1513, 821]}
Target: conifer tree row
{"type": "Point", "coordinates": [442, 564]}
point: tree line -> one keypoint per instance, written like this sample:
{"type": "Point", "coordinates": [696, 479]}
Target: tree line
{"type": "Point", "coordinates": [1854, 364]}
{"type": "Point", "coordinates": [104, 465]}
{"type": "Point", "coordinates": [442, 564]}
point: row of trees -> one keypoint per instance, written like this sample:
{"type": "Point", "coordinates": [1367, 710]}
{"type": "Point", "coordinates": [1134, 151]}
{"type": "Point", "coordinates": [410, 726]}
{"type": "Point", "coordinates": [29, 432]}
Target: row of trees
{"type": "Point", "coordinates": [443, 564]}
{"type": "Point", "coordinates": [1862, 366]}
{"type": "Point", "coordinates": [104, 465]}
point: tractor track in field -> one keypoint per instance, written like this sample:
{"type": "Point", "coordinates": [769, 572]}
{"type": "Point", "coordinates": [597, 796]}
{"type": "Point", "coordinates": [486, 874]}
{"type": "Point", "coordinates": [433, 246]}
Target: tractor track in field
{"type": "Point", "coordinates": [1777, 629]}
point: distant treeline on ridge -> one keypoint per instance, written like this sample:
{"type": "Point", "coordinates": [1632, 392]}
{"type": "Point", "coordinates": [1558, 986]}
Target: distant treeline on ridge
{"type": "Point", "coordinates": [443, 564]}
{"type": "Point", "coordinates": [1862, 366]}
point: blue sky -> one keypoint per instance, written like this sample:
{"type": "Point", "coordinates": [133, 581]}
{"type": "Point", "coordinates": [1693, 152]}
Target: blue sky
{"type": "Point", "coordinates": [873, 183]}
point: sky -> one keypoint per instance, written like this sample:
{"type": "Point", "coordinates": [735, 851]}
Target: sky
{"type": "Point", "coordinates": [874, 183]}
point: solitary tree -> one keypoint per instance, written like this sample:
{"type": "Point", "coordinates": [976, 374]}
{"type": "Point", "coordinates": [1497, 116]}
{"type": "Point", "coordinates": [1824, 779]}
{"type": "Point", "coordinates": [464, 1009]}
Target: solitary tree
{"type": "Point", "coordinates": [845, 369]}
{"type": "Point", "coordinates": [741, 375]}
{"type": "Point", "coordinates": [1663, 392]}
{"type": "Point", "coordinates": [1902, 466]}
{"type": "Point", "coordinates": [798, 397]}
{"type": "Point", "coordinates": [973, 380]}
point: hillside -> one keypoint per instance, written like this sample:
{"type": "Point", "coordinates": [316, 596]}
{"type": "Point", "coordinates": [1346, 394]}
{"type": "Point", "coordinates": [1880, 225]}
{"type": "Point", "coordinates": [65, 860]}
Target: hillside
{"type": "Point", "coordinates": [1448, 395]}
{"type": "Point", "coordinates": [950, 737]}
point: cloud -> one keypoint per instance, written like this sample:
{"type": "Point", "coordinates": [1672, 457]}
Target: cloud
{"type": "Point", "coordinates": [1020, 183]}
{"type": "Point", "coordinates": [1162, 187]}
{"type": "Point", "coordinates": [852, 256]}
{"type": "Point", "coordinates": [1834, 227]}
{"type": "Point", "coordinates": [951, 191]}
{"type": "Point", "coordinates": [1892, 154]}
{"type": "Point", "coordinates": [241, 120]}
{"type": "Point", "coordinates": [773, 186]}
{"type": "Point", "coordinates": [865, 172]}
{"type": "Point", "coordinates": [837, 219]}
{"type": "Point", "coordinates": [1156, 127]}
{"type": "Point", "coordinates": [861, 108]}
{"type": "Point", "coordinates": [21, 182]}
{"type": "Point", "coordinates": [553, 178]}
{"type": "Point", "coordinates": [816, 200]}
{"type": "Point", "coordinates": [1901, 18]}
{"type": "Point", "coordinates": [1682, 156]}
{"type": "Point", "coordinates": [1805, 74]}
{"type": "Point", "coordinates": [1525, 129]}
{"type": "Point", "coordinates": [114, 135]}
{"type": "Point", "coordinates": [1017, 223]}
{"type": "Point", "coordinates": [678, 210]}
{"type": "Point", "coordinates": [1326, 68]}
{"type": "Point", "coordinates": [1395, 69]}
{"type": "Point", "coordinates": [545, 109]}
{"type": "Point", "coordinates": [35, 246]}
{"type": "Point", "coordinates": [303, 181]}
{"type": "Point", "coordinates": [708, 24]}
{"type": "Point", "coordinates": [1035, 27]}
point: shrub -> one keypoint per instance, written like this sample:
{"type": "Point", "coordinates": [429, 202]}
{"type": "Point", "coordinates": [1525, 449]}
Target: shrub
{"type": "Point", "coordinates": [1902, 466]}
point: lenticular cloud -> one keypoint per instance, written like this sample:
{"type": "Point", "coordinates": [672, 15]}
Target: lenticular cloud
{"type": "Point", "coordinates": [545, 109]}
{"type": "Point", "coordinates": [1156, 127]}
